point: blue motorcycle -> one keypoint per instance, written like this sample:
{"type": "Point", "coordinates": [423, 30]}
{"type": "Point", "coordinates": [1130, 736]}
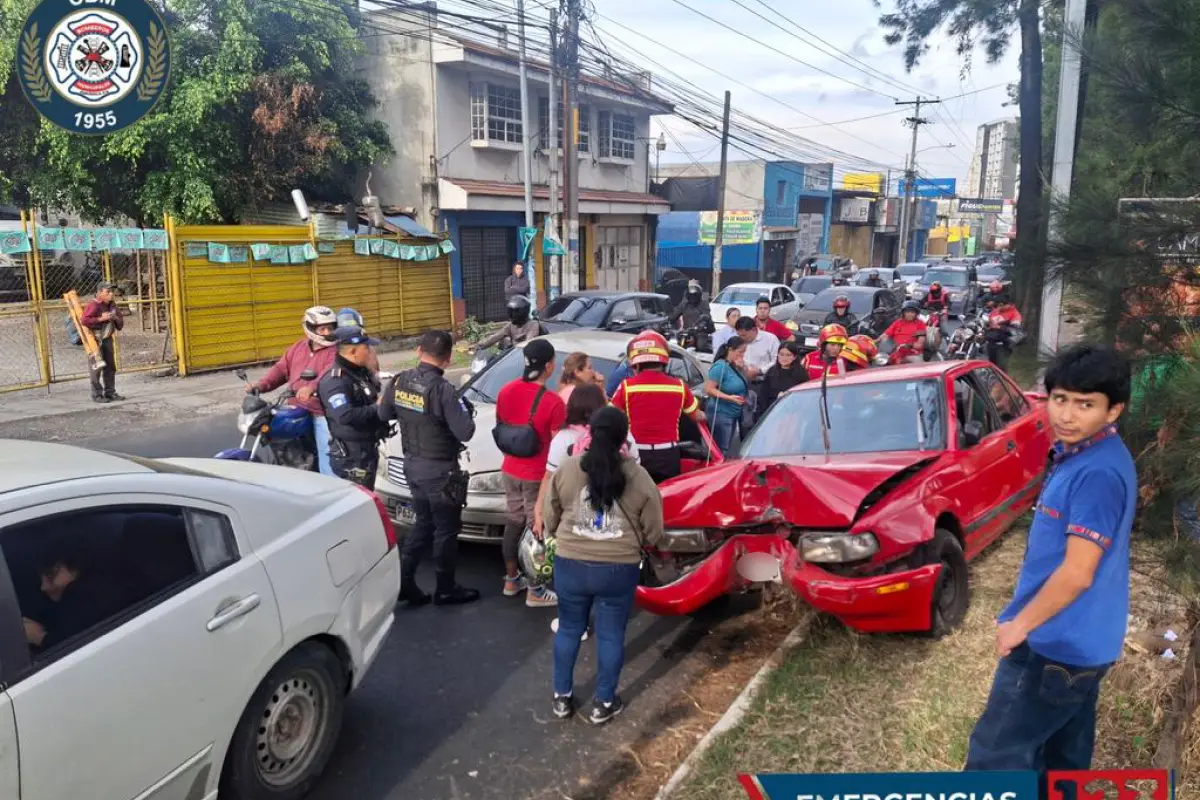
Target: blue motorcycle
{"type": "Point", "coordinates": [274, 432]}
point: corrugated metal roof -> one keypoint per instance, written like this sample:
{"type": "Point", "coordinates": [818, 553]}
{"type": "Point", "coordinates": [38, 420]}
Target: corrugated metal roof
{"type": "Point", "coordinates": [411, 227]}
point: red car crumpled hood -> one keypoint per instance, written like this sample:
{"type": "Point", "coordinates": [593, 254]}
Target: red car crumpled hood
{"type": "Point", "coordinates": [813, 491]}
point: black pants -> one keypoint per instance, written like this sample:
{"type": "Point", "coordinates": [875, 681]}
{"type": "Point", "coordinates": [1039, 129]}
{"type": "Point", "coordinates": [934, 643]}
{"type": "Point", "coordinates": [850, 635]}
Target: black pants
{"type": "Point", "coordinates": [104, 379]}
{"type": "Point", "coordinates": [998, 353]}
{"type": "Point", "coordinates": [661, 464]}
{"type": "Point", "coordinates": [356, 462]}
{"type": "Point", "coordinates": [438, 522]}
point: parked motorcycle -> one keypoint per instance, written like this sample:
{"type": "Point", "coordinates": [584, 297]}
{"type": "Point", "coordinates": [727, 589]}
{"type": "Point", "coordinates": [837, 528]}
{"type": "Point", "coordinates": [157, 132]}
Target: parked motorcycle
{"type": "Point", "coordinates": [275, 432]}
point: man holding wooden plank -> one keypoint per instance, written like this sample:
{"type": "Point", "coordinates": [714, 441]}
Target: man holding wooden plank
{"type": "Point", "coordinates": [103, 319]}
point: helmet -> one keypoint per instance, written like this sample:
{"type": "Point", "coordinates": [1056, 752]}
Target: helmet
{"type": "Point", "coordinates": [693, 287]}
{"type": "Point", "coordinates": [349, 318]}
{"type": "Point", "coordinates": [832, 334]}
{"type": "Point", "coordinates": [852, 353]}
{"type": "Point", "coordinates": [841, 301]}
{"type": "Point", "coordinates": [910, 305]}
{"type": "Point", "coordinates": [996, 287]}
{"type": "Point", "coordinates": [648, 347]}
{"type": "Point", "coordinates": [536, 557]}
{"type": "Point", "coordinates": [865, 344]}
{"type": "Point", "coordinates": [316, 317]}
{"type": "Point", "coordinates": [518, 309]}
{"type": "Point", "coordinates": [874, 274]}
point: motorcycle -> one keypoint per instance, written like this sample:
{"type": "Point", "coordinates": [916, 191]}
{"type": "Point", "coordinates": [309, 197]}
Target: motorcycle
{"type": "Point", "coordinates": [696, 338]}
{"type": "Point", "coordinates": [275, 432]}
{"type": "Point", "coordinates": [968, 340]}
{"type": "Point", "coordinates": [933, 335]}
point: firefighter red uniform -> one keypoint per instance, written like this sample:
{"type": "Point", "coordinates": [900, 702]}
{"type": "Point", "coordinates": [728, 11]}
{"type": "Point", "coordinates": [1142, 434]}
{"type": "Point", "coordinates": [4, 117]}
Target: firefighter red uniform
{"type": "Point", "coordinates": [654, 401]}
{"type": "Point", "coordinates": [827, 358]}
{"type": "Point", "coordinates": [854, 357]}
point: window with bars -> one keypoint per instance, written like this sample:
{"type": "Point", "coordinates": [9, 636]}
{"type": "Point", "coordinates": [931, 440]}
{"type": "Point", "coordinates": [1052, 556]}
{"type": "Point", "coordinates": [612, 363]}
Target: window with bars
{"type": "Point", "coordinates": [495, 113]}
{"type": "Point", "coordinates": [583, 145]}
{"type": "Point", "coordinates": [618, 136]}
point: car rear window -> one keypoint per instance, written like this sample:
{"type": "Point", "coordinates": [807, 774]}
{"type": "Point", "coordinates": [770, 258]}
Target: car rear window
{"type": "Point", "coordinates": [860, 302]}
{"type": "Point", "coordinates": [487, 385]}
{"type": "Point", "coordinates": [947, 277]}
{"type": "Point", "coordinates": [740, 297]}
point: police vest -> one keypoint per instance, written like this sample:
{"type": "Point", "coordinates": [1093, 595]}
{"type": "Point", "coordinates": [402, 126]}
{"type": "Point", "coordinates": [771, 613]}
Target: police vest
{"type": "Point", "coordinates": [423, 434]}
{"type": "Point", "coordinates": [361, 392]}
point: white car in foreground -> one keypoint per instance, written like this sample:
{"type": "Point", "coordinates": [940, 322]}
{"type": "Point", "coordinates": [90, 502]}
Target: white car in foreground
{"type": "Point", "coordinates": [744, 296]}
{"type": "Point", "coordinates": [200, 623]}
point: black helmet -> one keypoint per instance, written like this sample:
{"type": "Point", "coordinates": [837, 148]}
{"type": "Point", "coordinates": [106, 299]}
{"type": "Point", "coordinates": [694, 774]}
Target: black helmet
{"type": "Point", "coordinates": [911, 305]}
{"type": "Point", "coordinates": [518, 309]}
{"type": "Point", "coordinates": [874, 274]}
{"type": "Point", "coordinates": [694, 292]}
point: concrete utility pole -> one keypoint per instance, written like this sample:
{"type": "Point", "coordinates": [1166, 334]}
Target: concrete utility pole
{"type": "Point", "coordinates": [554, 154]}
{"type": "Point", "coordinates": [571, 158]}
{"type": "Point", "coordinates": [720, 234]}
{"type": "Point", "coordinates": [526, 152]}
{"type": "Point", "coordinates": [910, 173]}
{"type": "Point", "coordinates": [1064, 164]}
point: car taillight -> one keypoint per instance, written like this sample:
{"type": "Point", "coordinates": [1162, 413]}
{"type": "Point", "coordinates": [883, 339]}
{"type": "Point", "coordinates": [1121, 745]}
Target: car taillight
{"type": "Point", "coordinates": [389, 530]}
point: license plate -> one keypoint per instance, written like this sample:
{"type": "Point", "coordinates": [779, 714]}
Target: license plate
{"type": "Point", "coordinates": [405, 514]}
{"type": "Point", "coordinates": [810, 341]}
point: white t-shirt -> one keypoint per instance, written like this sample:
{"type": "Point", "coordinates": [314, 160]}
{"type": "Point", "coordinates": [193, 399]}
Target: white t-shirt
{"type": "Point", "coordinates": [763, 351]}
{"type": "Point", "coordinates": [566, 437]}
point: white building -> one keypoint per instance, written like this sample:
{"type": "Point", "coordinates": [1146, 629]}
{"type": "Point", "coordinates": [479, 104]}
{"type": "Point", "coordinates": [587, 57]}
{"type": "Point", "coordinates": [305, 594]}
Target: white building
{"type": "Point", "coordinates": [453, 105]}
{"type": "Point", "coordinates": [993, 172]}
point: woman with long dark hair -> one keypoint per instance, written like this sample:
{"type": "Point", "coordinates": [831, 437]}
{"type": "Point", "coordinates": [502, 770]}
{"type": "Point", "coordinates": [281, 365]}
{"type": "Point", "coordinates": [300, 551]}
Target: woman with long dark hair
{"type": "Point", "coordinates": [726, 388]}
{"type": "Point", "coordinates": [603, 509]}
{"type": "Point", "coordinates": [788, 371]}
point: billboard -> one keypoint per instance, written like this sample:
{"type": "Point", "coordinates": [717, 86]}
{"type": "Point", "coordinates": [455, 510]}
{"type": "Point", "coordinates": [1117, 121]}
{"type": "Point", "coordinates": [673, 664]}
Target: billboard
{"type": "Point", "coordinates": [863, 182]}
{"type": "Point", "coordinates": [741, 227]}
{"type": "Point", "coordinates": [930, 187]}
{"type": "Point", "coordinates": [855, 210]}
{"type": "Point", "coordinates": [980, 205]}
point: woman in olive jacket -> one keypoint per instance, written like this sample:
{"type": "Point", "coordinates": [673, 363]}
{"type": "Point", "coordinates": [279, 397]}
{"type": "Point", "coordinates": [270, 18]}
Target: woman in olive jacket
{"type": "Point", "coordinates": [603, 508]}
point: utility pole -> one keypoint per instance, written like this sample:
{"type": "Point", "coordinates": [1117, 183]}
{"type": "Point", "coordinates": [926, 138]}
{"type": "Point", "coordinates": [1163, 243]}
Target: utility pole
{"type": "Point", "coordinates": [910, 172]}
{"type": "Point", "coordinates": [1064, 164]}
{"type": "Point", "coordinates": [570, 157]}
{"type": "Point", "coordinates": [720, 234]}
{"type": "Point", "coordinates": [554, 153]}
{"type": "Point", "coordinates": [526, 152]}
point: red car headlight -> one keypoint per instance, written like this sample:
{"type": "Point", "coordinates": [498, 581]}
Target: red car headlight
{"type": "Point", "coordinates": [837, 548]}
{"type": "Point", "coordinates": [685, 540]}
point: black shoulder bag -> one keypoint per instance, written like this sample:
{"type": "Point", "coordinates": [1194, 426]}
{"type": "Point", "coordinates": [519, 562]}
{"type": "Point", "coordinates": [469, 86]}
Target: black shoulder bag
{"type": "Point", "coordinates": [519, 441]}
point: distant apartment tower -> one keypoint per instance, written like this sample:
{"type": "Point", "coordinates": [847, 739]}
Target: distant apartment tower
{"type": "Point", "coordinates": [993, 171]}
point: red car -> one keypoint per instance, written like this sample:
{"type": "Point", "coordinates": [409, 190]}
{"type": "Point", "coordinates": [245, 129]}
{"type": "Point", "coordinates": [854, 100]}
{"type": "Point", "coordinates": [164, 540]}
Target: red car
{"type": "Point", "coordinates": [867, 499]}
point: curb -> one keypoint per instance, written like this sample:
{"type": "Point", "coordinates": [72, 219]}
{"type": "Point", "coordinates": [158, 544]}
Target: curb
{"type": "Point", "coordinates": [737, 710]}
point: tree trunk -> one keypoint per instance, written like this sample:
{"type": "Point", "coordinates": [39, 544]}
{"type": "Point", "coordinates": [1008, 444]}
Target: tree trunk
{"type": "Point", "coordinates": [1030, 230]}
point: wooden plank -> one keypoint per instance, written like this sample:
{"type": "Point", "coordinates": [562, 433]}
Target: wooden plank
{"type": "Point", "coordinates": [90, 345]}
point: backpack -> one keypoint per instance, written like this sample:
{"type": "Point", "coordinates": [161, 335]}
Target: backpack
{"type": "Point", "coordinates": [520, 441]}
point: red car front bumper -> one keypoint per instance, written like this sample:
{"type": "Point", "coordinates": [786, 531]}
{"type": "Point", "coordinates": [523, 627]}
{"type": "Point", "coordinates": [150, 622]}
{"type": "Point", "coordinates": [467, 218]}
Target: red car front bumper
{"type": "Point", "coordinates": [892, 603]}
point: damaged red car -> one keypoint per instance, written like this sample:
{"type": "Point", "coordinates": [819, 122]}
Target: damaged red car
{"type": "Point", "coordinates": [867, 497]}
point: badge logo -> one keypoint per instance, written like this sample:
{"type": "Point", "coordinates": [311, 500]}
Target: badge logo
{"type": "Point", "coordinates": [94, 66]}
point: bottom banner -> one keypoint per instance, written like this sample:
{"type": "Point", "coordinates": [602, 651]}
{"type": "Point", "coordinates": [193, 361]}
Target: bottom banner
{"type": "Point", "coordinates": [1129, 784]}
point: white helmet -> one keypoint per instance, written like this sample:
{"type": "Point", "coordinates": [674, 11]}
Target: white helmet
{"type": "Point", "coordinates": [314, 318]}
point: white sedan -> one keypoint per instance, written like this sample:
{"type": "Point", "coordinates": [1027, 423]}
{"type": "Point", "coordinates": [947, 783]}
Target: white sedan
{"type": "Point", "coordinates": [744, 296]}
{"type": "Point", "coordinates": [175, 628]}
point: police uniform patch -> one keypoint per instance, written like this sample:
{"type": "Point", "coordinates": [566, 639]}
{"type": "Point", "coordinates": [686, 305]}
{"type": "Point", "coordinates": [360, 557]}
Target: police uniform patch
{"type": "Point", "coordinates": [411, 401]}
{"type": "Point", "coordinates": [338, 400]}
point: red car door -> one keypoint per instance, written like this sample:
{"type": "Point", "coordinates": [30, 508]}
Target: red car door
{"type": "Point", "coordinates": [1029, 429]}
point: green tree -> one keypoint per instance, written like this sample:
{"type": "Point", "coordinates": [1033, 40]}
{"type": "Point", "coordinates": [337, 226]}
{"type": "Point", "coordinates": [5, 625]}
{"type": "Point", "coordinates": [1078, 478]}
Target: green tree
{"type": "Point", "coordinates": [263, 98]}
{"type": "Point", "coordinates": [992, 24]}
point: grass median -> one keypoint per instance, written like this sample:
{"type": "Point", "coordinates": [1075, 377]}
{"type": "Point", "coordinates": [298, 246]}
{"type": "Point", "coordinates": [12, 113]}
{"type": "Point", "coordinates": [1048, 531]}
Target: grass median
{"type": "Point", "coordinates": [844, 702]}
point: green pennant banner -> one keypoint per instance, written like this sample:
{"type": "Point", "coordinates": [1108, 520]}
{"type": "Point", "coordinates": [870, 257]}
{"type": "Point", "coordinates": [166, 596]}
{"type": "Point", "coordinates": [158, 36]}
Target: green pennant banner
{"type": "Point", "coordinates": [12, 242]}
{"type": "Point", "coordinates": [50, 239]}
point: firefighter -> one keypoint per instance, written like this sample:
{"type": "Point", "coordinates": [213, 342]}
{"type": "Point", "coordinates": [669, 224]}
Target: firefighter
{"type": "Point", "coordinates": [866, 345]}
{"type": "Point", "coordinates": [828, 355]}
{"type": "Point", "coordinates": [654, 402]}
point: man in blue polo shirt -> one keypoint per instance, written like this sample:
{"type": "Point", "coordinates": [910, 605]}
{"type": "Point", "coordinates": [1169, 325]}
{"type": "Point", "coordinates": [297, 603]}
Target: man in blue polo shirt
{"type": "Point", "coordinates": [1066, 623]}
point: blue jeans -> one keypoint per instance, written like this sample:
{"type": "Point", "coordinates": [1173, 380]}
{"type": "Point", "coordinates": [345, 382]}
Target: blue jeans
{"type": "Point", "coordinates": [1040, 715]}
{"type": "Point", "coordinates": [610, 587]}
{"type": "Point", "coordinates": [321, 434]}
{"type": "Point", "coordinates": [723, 429]}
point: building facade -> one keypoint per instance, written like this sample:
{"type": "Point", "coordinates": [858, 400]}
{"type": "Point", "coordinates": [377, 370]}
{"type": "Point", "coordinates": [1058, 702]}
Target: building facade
{"type": "Point", "coordinates": [453, 105]}
{"type": "Point", "coordinates": [993, 170]}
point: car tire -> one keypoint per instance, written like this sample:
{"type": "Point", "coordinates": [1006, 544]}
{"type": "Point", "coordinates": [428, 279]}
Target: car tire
{"type": "Point", "coordinates": [288, 731]}
{"type": "Point", "coordinates": [952, 592]}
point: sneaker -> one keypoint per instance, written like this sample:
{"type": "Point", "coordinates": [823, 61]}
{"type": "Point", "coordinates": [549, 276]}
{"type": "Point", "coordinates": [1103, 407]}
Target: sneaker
{"type": "Point", "coordinates": [514, 586]}
{"type": "Point", "coordinates": [603, 712]}
{"type": "Point", "coordinates": [412, 596]}
{"type": "Point", "coordinates": [564, 706]}
{"type": "Point", "coordinates": [459, 595]}
{"type": "Point", "coordinates": [114, 397]}
{"type": "Point", "coordinates": [540, 597]}
{"type": "Point", "coordinates": [554, 627]}
{"type": "Point", "coordinates": [98, 398]}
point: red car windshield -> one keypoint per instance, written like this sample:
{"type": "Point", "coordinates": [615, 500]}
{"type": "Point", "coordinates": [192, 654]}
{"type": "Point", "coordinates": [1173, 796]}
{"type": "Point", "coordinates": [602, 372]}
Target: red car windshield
{"type": "Point", "coordinates": [864, 418]}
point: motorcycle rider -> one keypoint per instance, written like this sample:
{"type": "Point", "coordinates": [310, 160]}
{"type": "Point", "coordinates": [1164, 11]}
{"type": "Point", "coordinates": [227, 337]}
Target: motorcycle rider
{"type": "Point", "coordinates": [874, 281]}
{"type": "Point", "coordinates": [519, 328]}
{"type": "Point", "coordinates": [866, 345]}
{"type": "Point", "coordinates": [349, 393]}
{"type": "Point", "coordinates": [654, 402]}
{"type": "Point", "coordinates": [435, 424]}
{"type": "Point", "coordinates": [301, 368]}
{"type": "Point", "coordinates": [908, 331]}
{"type": "Point", "coordinates": [1004, 325]}
{"type": "Point", "coordinates": [689, 313]}
{"type": "Point", "coordinates": [841, 313]}
{"type": "Point", "coordinates": [936, 299]}
{"type": "Point", "coordinates": [828, 355]}
{"type": "Point", "coordinates": [991, 298]}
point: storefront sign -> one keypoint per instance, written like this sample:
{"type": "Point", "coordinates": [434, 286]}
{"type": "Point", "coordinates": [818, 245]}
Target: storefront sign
{"type": "Point", "coordinates": [863, 182]}
{"type": "Point", "coordinates": [741, 227]}
{"type": "Point", "coordinates": [855, 210]}
{"type": "Point", "coordinates": [980, 205]}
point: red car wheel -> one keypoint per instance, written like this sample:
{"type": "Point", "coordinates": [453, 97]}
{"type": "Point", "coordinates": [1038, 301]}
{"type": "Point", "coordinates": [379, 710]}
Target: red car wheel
{"type": "Point", "coordinates": [952, 595]}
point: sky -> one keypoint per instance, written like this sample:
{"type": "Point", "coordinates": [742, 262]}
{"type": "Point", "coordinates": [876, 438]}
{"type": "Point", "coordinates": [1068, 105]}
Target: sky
{"type": "Point", "coordinates": [805, 99]}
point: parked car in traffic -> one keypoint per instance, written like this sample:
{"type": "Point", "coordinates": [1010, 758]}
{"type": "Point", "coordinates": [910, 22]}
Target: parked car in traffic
{"type": "Point", "coordinates": [181, 627]}
{"type": "Point", "coordinates": [960, 281]}
{"type": "Point", "coordinates": [890, 276]}
{"type": "Point", "coordinates": [744, 296]}
{"type": "Point", "coordinates": [925, 466]}
{"type": "Point", "coordinates": [623, 312]}
{"type": "Point", "coordinates": [826, 263]}
{"type": "Point", "coordinates": [911, 273]}
{"type": "Point", "coordinates": [875, 309]}
{"type": "Point", "coordinates": [484, 516]}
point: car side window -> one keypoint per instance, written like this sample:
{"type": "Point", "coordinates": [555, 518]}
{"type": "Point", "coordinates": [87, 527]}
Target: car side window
{"type": "Point", "coordinates": [648, 306]}
{"type": "Point", "coordinates": [974, 416]}
{"type": "Point", "coordinates": [80, 574]}
{"type": "Point", "coordinates": [625, 310]}
{"type": "Point", "coordinates": [677, 368]}
{"type": "Point", "coordinates": [1009, 405]}
{"type": "Point", "coordinates": [776, 297]}
{"type": "Point", "coordinates": [786, 296]}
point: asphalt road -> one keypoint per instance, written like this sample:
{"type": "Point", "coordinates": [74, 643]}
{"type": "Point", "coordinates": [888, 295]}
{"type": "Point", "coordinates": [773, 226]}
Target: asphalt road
{"type": "Point", "coordinates": [457, 705]}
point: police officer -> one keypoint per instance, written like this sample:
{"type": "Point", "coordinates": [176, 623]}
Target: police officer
{"type": "Point", "coordinates": [434, 427]}
{"type": "Point", "coordinates": [349, 393]}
